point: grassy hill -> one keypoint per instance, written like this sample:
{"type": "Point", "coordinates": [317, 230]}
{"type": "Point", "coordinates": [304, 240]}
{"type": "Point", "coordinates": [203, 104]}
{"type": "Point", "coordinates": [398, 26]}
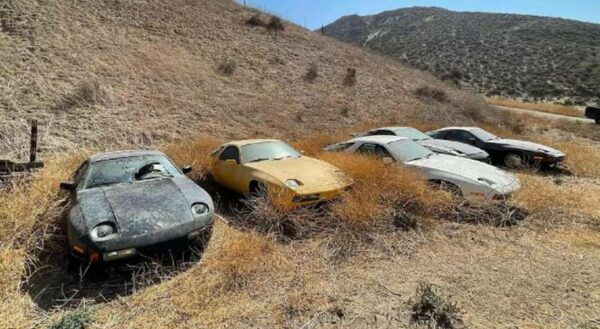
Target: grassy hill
{"type": "Point", "coordinates": [184, 76]}
{"type": "Point", "coordinates": [104, 73]}
{"type": "Point", "coordinates": [497, 54]}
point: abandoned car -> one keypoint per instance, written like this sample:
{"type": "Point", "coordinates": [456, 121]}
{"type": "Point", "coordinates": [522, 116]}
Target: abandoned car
{"type": "Point", "coordinates": [511, 153]}
{"type": "Point", "coordinates": [436, 145]}
{"type": "Point", "coordinates": [130, 202]}
{"type": "Point", "coordinates": [474, 181]}
{"type": "Point", "coordinates": [251, 167]}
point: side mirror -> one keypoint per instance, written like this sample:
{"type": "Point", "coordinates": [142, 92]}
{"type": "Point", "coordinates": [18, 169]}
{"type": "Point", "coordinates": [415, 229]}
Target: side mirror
{"type": "Point", "coordinates": [186, 169]}
{"type": "Point", "coordinates": [388, 160]}
{"type": "Point", "coordinates": [68, 186]}
{"type": "Point", "coordinates": [230, 162]}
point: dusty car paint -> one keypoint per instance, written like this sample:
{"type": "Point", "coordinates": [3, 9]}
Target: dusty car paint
{"type": "Point", "coordinates": [315, 177]}
{"type": "Point", "coordinates": [144, 213]}
{"type": "Point", "coordinates": [477, 181]}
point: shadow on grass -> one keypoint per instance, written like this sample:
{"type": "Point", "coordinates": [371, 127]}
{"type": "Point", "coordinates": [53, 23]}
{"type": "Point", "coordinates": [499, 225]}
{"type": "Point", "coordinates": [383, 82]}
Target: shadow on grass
{"type": "Point", "coordinates": [53, 282]}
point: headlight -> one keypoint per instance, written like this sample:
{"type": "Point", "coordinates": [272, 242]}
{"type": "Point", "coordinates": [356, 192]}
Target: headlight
{"type": "Point", "coordinates": [104, 231]}
{"type": "Point", "coordinates": [200, 209]}
{"type": "Point", "coordinates": [293, 184]}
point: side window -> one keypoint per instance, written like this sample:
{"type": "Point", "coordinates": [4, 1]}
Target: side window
{"type": "Point", "coordinates": [438, 134]}
{"type": "Point", "coordinates": [460, 136]}
{"type": "Point", "coordinates": [374, 150]}
{"type": "Point", "coordinates": [381, 132]}
{"type": "Point", "coordinates": [79, 175]}
{"type": "Point", "coordinates": [230, 153]}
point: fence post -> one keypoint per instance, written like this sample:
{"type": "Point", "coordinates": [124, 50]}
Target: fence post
{"type": "Point", "coordinates": [33, 145]}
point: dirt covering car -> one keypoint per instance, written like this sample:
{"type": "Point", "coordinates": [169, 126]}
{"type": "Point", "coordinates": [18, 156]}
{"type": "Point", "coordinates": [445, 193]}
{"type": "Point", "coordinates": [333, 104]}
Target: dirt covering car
{"type": "Point", "coordinates": [475, 181]}
{"type": "Point", "coordinates": [131, 202]}
{"type": "Point", "coordinates": [511, 153]}
{"type": "Point", "coordinates": [253, 166]}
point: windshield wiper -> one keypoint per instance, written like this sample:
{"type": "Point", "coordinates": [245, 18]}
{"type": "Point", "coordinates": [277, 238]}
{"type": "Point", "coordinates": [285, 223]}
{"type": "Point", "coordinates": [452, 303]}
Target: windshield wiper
{"type": "Point", "coordinates": [286, 156]}
{"type": "Point", "coordinates": [259, 159]}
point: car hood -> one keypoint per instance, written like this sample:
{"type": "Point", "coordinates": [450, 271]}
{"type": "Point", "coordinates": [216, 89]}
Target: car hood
{"type": "Point", "coordinates": [527, 146]}
{"type": "Point", "coordinates": [308, 171]}
{"type": "Point", "coordinates": [444, 146]}
{"type": "Point", "coordinates": [136, 208]}
{"type": "Point", "coordinates": [466, 168]}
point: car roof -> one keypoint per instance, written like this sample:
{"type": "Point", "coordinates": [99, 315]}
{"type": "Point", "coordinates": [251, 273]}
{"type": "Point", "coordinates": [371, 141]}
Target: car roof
{"type": "Point", "coordinates": [383, 139]}
{"type": "Point", "coordinates": [250, 141]}
{"type": "Point", "coordinates": [123, 154]}
{"type": "Point", "coordinates": [457, 128]}
{"type": "Point", "coordinates": [392, 128]}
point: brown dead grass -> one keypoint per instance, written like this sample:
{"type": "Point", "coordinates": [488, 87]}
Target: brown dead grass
{"type": "Point", "coordinates": [538, 106]}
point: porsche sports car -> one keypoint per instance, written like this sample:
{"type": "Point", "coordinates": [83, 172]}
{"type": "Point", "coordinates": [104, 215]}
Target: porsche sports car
{"type": "Point", "coordinates": [472, 180]}
{"type": "Point", "coordinates": [436, 145]}
{"type": "Point", "coordinates": [130, 202]}
{"type": "Point", "coordinates": [251, 166]}
{"type": "Point", "coordinates": [508, 152]}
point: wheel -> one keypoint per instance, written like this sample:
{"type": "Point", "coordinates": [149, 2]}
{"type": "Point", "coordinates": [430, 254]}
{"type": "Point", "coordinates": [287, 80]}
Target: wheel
{"type": "Point", "coordinates": [452, 189]}
{"type": "Point", "coordinates": [513, 161]}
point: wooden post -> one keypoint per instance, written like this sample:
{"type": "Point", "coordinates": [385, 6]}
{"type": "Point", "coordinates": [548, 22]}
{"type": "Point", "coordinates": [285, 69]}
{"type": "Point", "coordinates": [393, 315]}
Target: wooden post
{"type": "Point", "coordinates": [33, 145]}
{"type": "Point", "coordinates": [322, 29]}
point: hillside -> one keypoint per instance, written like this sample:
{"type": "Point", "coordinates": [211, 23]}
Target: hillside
{"type": "Point", "coordinates": [184, 76]}
{"type": "Point", "coordinates": [496, 54]}
{"type": "Point", "coordinates": [103, 73]}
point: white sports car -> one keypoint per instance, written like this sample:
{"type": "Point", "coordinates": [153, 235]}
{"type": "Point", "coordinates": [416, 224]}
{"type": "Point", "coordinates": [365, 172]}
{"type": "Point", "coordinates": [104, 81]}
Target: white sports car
{"type": "Point", "coordinates": [477, 182]}
{"type": "Point", "coordinates": [436, 145]}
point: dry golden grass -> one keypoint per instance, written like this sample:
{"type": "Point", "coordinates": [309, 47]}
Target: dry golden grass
{"type": "Point", "coordinates": [195, 152]}
{"type": "Point", "coordinates": [381, 189]}
{"type": "Point", "coordinates": [538, 106]}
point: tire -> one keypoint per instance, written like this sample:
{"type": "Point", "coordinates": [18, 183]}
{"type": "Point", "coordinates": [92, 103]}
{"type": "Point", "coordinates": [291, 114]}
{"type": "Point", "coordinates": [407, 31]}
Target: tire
{"type": "Point", "coordinates": [514, 161]}
{"type": "Point", "coordinates": [452, 189]}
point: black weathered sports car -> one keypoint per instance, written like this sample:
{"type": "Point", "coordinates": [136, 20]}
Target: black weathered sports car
{"type": "Point", "coordinates": [509, 152]}
{"type": "Point", "coordinates": [124, 203]}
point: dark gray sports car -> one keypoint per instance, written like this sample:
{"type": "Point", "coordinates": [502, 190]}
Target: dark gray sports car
{"type": "Point", "coordinates": [125, 203]}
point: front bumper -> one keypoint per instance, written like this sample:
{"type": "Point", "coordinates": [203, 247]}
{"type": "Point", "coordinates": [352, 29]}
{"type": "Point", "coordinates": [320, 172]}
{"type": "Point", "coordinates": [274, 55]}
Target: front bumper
{"type": "Point", "coordinates": [123, 248]}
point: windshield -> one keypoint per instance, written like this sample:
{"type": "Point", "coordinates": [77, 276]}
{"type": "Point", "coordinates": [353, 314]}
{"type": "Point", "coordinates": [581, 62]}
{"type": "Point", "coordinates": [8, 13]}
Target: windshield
{"type": "Point", "coordinates": [127, 170]}
{"type": "Point", "coordinates": [411, 133]}
{"type": "Point", "coordinates": [483, 135]}
{"type": "Point", "coordinates": [407, 150]}
{"type": "Point", "coordinates": [275, 150]}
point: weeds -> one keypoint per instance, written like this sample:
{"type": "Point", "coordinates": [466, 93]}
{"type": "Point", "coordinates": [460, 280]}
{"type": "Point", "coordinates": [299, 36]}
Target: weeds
{"type": "Point", "coordinates": [255, 20]}
{"type": "Point", "coordinates": [428, 93]}
{"type": "Point", "coordinates": [227, 67]}
{"type": "Point", "coordinates": [350, 78]}
{"type": "Point", "coordinates": [87, 92]}
{"type": "Point", "coordinates": [434, 310]}
{"type": "Point", "coordinates": [312, 73]}
{"type": "Point", "coordinates": [76, 319]}
{"type": "Point", "coordinates": [275, 24]}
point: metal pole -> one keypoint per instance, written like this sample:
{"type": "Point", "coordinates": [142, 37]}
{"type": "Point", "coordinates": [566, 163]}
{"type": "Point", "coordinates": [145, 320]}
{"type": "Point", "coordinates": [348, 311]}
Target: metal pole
{"type": "Point", "coordinates": [34, 136]}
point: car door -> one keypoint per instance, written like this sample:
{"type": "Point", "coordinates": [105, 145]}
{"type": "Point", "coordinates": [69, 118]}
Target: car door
{"type": "Point", "coordinates": [228, 169]}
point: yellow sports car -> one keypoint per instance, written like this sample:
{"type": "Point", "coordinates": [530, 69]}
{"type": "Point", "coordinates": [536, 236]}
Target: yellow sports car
{"type": "Point", "coordinates": [253, 166]}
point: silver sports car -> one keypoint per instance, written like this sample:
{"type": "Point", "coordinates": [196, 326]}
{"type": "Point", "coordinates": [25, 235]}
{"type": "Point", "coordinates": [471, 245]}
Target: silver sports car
{"type": "Point", "coordinates": [436, 145]}
{"type": "Point", "coordinates": [124, 203]}
{"type": "Point", "coordinates": [477, 182]}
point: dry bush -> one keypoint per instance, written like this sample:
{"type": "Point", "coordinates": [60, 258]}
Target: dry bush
{"type": "Point", "coordinates": [582, 160]}
{"type": "Point", "coordinates": [428, 93]}
{"type": "Point", "coordinates": [227, 67]}
{"type": "Point", "coordinates": [275, 24]}
{"type": "Point", "coordinates": [242, 256]}
{"type": "Point", "coordinates": [255, 20]}
{"type": "Point", "coordinates": [311, 73]}
{"type": "Point", "coordinates": [537, 106]}
{"type": "Point", "coordinates": [14, 140]}
{"type": "Point", "coordinates": [87, 92]}
{"type": "Point", "coordinates": [350, 78]}
{"type": "Point", "coordinates": [546, 194]}
{"type": "Point", "coordinates": [313, 145]}
{"type": "Point", "coordinates": [578, 128]}
{"type": "Point", "coordinates": [195, 152]}
{"type": "Point", "coordinates": [380, 191]}
{"type": "Point", "coordinates": [435, 310]}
